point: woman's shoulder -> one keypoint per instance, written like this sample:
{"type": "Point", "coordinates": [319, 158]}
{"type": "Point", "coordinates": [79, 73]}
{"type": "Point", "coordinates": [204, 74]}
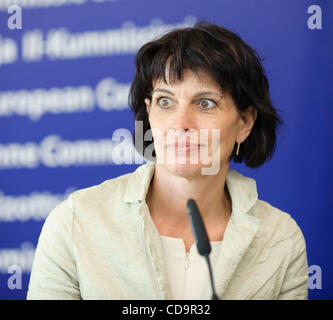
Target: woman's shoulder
{"type": "Point", "coordinates": [131, 182]}
{"type": "Point", "coordinates": [101, 192]}
{"type": "Point", "coordinates": [102, 198]}
{"type": "Point", "coordinates": [268, 213]}
{"type": "Point", "coordinates": [275, 223]}
{"type": "Point", "coordinates": [243, 190]}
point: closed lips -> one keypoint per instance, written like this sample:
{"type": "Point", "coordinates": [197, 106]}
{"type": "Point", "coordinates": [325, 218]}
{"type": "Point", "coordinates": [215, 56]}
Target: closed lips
{"type": "Point", "coordinates": [186, 146]}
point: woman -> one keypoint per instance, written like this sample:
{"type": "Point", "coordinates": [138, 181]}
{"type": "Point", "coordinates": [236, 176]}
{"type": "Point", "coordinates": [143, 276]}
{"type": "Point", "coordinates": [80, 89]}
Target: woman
{"type": "Point", "coordinates": [203, 95]}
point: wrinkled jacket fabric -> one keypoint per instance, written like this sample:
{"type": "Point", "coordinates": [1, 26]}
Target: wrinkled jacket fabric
{"type": "Point", "coordinates": [101, 243]}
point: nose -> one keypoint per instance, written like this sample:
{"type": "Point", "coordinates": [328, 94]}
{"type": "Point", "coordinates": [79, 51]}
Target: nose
{"type": "Point", "coordinates": [184, 119]}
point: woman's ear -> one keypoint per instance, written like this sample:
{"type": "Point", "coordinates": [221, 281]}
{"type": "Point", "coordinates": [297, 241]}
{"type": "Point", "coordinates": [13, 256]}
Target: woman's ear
{"type": "Point", "coordinates": [147, 102]}
{"type": "Point", "coordinates": [249, 117]}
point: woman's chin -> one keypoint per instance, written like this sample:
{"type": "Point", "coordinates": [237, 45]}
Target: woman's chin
{"type": "Point", "coordinates": [184, 169]}
{"type": "Point", "coordinates": [185, 164]}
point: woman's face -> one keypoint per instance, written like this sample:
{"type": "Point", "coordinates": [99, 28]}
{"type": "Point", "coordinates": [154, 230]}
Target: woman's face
{"type": "Point", "coordinates": [194, 124]}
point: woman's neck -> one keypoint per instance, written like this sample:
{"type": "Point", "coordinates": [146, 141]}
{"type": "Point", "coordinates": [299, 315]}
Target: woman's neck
{"type": "Point", "coordinates": [168, 194]}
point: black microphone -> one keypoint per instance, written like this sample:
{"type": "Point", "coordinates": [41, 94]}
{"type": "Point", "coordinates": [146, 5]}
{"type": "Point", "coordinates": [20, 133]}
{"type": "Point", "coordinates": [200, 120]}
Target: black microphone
{"type": "Point", "coordinates": [201, 238]}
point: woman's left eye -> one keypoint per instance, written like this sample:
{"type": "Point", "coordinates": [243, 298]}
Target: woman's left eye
{"type": "Point", "coordinates": [207, 103]}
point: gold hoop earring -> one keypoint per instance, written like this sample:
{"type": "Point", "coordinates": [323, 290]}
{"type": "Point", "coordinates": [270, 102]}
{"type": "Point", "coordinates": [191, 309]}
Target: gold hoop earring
{"type": "Point", "coordinates": [238, 144]}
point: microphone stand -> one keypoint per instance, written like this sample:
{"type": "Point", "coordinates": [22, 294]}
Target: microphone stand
{"type": "Point", "coordinates": [214, 295]}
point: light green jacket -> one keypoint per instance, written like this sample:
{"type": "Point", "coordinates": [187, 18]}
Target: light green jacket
{"type": "Point", "coordinates": [101, 243]}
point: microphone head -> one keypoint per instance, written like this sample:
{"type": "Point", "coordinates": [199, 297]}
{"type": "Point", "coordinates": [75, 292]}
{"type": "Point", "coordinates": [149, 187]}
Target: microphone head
{"type": "Point", "coordinates": [198, 228]}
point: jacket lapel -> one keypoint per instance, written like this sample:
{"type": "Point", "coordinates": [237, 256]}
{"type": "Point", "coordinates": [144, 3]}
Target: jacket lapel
{"type": "Point", "coordinates": [240, 230]}
{"type": "Point", "coordinates": [136, 192]}
{"type": "Point", "coordinates": [237, 238]}
{"type": "Point", "coordinates": [155, 252]}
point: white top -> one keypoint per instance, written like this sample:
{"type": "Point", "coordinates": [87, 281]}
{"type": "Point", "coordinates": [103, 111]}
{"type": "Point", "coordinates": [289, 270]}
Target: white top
{"type": "Point", "coordinates": [188, 272]}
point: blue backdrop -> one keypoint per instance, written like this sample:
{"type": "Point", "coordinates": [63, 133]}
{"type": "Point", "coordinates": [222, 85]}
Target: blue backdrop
{"type": "Point", "coordinates": [64, 80]}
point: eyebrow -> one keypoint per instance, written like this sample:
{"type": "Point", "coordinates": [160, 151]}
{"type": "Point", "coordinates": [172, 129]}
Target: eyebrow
{"type": "Point", "coordinates": [198, 94]}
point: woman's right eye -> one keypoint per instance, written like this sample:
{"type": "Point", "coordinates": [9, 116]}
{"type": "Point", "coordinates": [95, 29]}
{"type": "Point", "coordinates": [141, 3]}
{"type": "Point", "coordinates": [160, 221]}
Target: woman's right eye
{"type": "Point", "coordinates": [164, 102]}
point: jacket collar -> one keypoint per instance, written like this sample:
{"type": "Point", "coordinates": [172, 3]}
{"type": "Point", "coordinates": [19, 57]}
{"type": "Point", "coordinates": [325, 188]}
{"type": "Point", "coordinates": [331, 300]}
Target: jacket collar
{"type": "Point", "coordinates": [138, 184]}
{"type": "Point", "coordinates": [239, 233]}
{"type": "Point", "coordinates": [243, 190]}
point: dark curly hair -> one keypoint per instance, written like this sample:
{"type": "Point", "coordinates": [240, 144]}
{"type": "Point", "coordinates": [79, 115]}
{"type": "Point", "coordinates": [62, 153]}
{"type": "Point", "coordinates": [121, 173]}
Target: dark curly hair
{"type": "Point", "coordinates": [232, 63]}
